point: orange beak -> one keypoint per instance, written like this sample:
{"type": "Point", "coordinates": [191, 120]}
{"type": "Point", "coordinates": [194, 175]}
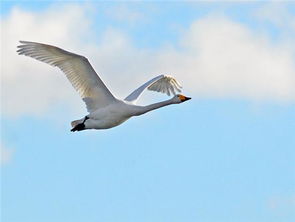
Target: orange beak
{"type": "Point", "coordinates": [184, 98]}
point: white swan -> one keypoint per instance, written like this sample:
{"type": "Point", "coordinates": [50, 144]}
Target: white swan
{"type": "Point", "coordinates": [105, 110]}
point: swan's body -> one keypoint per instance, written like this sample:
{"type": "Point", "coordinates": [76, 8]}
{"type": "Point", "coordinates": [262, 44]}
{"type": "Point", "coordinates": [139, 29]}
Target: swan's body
{"type": "Point", "coordinates": [105, 110]}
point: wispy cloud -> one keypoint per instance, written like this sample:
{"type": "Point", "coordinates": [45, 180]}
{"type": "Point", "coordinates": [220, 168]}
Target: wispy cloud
{"type": "Point", "coordinates": [6, 154]}
{"type": "Point", "coordinates": [214, 57]}
{"type": "Point", "coordinates": [282, 204]}
{"type": "Point", "coordinates": [278, 14]}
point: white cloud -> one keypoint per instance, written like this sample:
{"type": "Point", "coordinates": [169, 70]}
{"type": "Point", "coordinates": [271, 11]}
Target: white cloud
{"type": "Point", "coordinates": [30, 87]}
{"type": "Point", "coordinates": [6, 154]}
{"type": "Point", "coordinates": [215, 57]}
{"type": "Point", "coordinates": [222, 58]}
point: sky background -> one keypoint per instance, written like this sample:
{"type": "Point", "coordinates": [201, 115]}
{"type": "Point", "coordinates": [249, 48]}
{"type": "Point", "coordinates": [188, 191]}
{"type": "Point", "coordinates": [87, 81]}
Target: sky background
{"type": "Point", "coordinates": [226, 155]}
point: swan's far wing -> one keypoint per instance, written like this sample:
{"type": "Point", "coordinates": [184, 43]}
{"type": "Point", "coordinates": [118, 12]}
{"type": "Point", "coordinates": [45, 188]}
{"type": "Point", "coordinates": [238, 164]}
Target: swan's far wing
{"type": "Point", "coordinates": [167, 84]}
{"type": "Point", "coordinates": [163, 83]}
{"type": "Point", "coordinates": [76, 68]}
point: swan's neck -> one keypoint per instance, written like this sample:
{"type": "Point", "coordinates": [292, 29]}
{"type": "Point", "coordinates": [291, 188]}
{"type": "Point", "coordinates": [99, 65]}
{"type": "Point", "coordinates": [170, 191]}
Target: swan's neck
{"type": "Point", "coordinates": [144, 109]}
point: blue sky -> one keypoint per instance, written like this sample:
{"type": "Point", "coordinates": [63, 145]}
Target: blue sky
{"type": "Point", "coordinates": [226, 155]}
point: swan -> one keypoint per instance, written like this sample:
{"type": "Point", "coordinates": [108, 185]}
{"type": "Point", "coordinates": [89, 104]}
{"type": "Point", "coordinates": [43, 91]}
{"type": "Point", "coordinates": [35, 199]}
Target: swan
{"type": "Point", "coordinates": [105, 110]}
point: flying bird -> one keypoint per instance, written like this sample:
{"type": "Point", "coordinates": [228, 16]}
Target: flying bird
{"type": "Point", "coordinates": [105, 110]}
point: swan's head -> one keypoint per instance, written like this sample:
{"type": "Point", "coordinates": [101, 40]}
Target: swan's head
{"type": "Point", "coordinates": [180, 98]}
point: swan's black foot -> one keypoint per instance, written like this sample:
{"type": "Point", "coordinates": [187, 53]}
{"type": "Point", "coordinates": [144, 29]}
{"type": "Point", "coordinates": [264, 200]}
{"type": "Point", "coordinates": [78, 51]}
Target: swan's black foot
{"type": "Point", "coordinates": [79, 127]}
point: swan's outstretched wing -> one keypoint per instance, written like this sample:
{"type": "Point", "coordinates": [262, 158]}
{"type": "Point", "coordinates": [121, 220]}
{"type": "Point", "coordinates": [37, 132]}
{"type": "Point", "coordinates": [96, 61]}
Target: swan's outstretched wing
{"type": "Point", "coordinates": [76, 68]}
{"type": "Point", "coordinates": [162, 83]}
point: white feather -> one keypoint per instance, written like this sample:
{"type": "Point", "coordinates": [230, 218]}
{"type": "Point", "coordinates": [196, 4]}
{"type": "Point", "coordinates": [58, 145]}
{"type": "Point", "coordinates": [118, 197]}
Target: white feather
{"type": "Point", "coordinates": [76, 68]}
